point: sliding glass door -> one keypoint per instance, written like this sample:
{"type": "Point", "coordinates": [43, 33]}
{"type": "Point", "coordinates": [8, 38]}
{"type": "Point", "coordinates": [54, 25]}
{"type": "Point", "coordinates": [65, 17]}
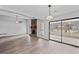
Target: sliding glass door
{"type": "Point", "coordinates": [55, 31]}
{"type": "Point", "coordinates": [66, 31]}
{"type": "Point", "coordinates": [70, 31]}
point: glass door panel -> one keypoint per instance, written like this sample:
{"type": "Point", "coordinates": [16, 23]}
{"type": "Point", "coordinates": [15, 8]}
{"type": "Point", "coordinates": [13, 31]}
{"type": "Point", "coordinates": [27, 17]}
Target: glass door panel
{"type": "Point", "coordinates": [55, 31]}
{"type": "Point", "coordinates": [70, 31]}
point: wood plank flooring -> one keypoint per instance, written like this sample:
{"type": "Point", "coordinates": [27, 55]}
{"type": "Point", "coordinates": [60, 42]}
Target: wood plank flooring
{"type": "Point", "coordinates": [26, 44]}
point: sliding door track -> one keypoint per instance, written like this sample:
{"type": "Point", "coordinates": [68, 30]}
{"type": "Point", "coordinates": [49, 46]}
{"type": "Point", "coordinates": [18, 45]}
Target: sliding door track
{"type": "Point", "coordinates": [65, 43]}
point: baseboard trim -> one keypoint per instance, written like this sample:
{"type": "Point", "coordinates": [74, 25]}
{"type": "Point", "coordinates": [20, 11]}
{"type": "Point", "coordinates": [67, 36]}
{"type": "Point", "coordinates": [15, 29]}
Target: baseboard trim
{"type": "Point", "coordinates": [11, 35]}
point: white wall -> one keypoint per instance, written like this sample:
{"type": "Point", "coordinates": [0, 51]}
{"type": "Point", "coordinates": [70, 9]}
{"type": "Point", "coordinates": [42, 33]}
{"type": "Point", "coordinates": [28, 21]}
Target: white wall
{"type": "Point", "coordinates": [28, 26]}
{"type": "Point", "coordinates": [43, 29]}
{"type": "Point", "coordinates": [9, 26]}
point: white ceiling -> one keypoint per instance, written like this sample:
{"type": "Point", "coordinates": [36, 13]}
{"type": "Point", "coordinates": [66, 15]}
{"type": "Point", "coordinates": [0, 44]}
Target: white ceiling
{"type": "Point", "coordinates": [41, 11]}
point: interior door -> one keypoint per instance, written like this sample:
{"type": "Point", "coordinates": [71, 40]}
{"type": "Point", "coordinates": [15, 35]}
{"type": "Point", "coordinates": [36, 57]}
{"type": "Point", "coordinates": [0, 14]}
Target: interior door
{"type": "Point", "coordinates": [34, 26]}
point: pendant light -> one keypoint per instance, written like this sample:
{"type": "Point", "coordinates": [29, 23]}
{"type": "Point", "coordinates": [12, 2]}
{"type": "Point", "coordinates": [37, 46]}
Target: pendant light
{"type": "Point", "coordinates": [50, 16]}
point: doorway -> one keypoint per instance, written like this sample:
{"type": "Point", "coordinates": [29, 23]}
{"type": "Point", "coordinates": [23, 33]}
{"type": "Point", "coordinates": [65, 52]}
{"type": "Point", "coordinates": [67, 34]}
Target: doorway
{"type": "Point", "coordinates": [34, 27]}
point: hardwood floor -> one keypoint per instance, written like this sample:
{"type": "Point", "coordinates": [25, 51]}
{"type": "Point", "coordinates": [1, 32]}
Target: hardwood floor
{"type": "Point", "coordinates": [32, 45]}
